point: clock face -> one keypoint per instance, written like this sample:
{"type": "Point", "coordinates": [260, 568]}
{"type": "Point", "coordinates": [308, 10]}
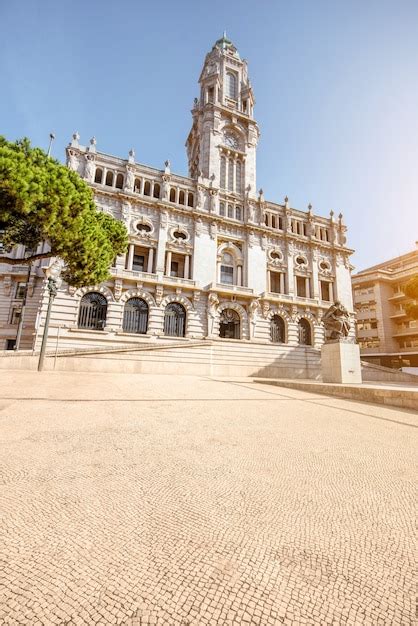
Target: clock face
{"type": "Point", "coordinates": [231, 141]}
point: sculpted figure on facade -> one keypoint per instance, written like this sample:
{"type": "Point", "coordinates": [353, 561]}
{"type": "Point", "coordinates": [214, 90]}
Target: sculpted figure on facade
{"type": "Point", "coordinates": [213, 201]}
{"type": "Point", "coordinates": [337, 321]}
{"type": "Point", "coordinates": [252, 313]}
{"type": "Point", "coordinates": [89, 168]}
{"type": "Point", "coordinates": [200, 203]}
{"type": "Point", "coordinates": [213, 303]}
{"type": "Point", "coordinates": [166, 187]}
{"type": "Point", "coordinates": [130, 179]}
{"type": "Point", "coordinates": [72, 160]}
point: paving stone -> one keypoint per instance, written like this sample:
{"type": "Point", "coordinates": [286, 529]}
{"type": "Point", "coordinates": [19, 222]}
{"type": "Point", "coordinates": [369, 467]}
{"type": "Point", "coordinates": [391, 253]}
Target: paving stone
{"type": "Point", "coordinates": [171, 500]}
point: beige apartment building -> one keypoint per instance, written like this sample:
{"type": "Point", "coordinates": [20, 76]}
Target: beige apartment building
{"type": "Point", "coordinates": [386, 334]}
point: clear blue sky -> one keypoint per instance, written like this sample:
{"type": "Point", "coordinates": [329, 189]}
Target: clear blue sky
{"type": "Point", "coordinates": [336, 87]}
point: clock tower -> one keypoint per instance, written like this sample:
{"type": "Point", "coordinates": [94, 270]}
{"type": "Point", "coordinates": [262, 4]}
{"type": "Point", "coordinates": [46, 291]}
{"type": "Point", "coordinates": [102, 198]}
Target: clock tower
{"type": "Point", "coordinates": [221, 146]}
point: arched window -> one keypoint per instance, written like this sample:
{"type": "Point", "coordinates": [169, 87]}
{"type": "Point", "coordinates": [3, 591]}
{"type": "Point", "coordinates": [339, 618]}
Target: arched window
{"type": "Point", "coordinates": [238, 177]}
{"type": "Point", "coordinates": [156, 192]}
{"type": "Point", "coordinates": [98, 176]}
{"type": "Point", "coordinates": [93, 309]}
{"type": "Point", "coordinates": [231, 85]}
{"type": "Point", "coordinates": [175, 320]}
{"type": "Point", "coordinates": [190, 199]}
{"type": "Point", "coordinates": [109, 179]}
{"type": "Point", "coordinates": [137, 185]}
{"type": "Point", "coordinates": [172, 194]}
{"type": "Point", "coordinates": [305, 334]}
{"type": "Point", "coordinates": [229, 324]}
{"type": "Point", "coordinates": [119, 181]}
{"type": "Point", "coordinates": [223, 172]}
{"type": "Point", "coordinates": [147, 188]}
{"type": "Point", "coordinates": [230, 175]}
{"type": "Point", "coordinates": [135, 316]}
{"type": "Point", "coordinates": [182, 198]}
{"type": "Point", "coordinates": [277, 329]}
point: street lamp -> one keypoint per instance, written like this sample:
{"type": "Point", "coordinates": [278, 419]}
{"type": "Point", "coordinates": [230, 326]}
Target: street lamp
{"type": "Point", "coordinates": [54, 281]}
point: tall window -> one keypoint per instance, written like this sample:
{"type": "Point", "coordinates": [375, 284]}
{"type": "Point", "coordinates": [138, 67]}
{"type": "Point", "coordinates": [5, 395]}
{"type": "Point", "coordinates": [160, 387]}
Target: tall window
{"type": "Point", "coordinates": [119, 181]}
{"type": "Point", "coordinates": [98, 175]}
{"type": "Point", "coordinates": [227, 269]}
{"type": "Point", "coordinates": [223, 172]}
{"type": "Point", "coordinates": [277, 329]}
{"type": "Point", "coordinates": [109, 179]}
{"type": "Point", "coordinates": [135, 316]}
{"type": "Point", "coordinates": [222, 208]}
{"type": "Point", "coordinates": [231, 85]}
{"type": "Point", "coordinates": [238, 177]}
{"type": "Point", "coordinates": [230, 175]}
{"type": "Point", "coordinates": [93, 309]}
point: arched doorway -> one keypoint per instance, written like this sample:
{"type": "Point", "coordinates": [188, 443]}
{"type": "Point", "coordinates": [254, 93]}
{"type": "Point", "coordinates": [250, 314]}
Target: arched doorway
{"type": "Point", "coordinates": [305, 333]}
{"type": "Point", "coordinates": [230, 324]}
{"type": "Point", "coordinates": [175, 320]}
{"type": "Point", "coordinates": [135, 316]}
{"type": "Point", "coordinates": [277, 329]}
{"type": "Point", "coordinates": [92, 313]}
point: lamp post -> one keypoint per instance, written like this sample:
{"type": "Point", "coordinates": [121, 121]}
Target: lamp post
{"type": "Point", "coordinates": [51, 139]}
{"type": "Point", "coordinates": [53, 283]}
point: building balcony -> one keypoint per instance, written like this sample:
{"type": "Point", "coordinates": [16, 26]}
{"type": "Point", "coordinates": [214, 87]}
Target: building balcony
{"type": "Point", "coordinates": [363, 297]}
{"type": "Point", "coordinates": [398, 315]}
{"type": "Point", "coordinates": [231, 289]}
{"type": "Point", "coordinates": [178, 280]}
{"type": "Point", "coordinates": [366, 315]}
{"type": "Point", "coordinates": [406, 332]}
{"type": "Point", "coordinates": [371, 333]}
{"type": "Point", "coordinates": [134, 275]}
{"type": "Point", "coordinates": [397, 297]}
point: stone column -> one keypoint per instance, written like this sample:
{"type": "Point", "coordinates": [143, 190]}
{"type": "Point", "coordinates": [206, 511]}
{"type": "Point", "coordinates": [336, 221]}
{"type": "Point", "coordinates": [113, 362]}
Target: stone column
{"type": "Point", "coordinates": [130, 257]}
{"type": "Point", "coordinates": [168, 264]}
{"type": "Point", "coordinates": [186, 266]}
{"type": "Point", "coordinates": [162, 240]}
{"type": "Point", "coordinates": [282, 288]}
{"type": "Point", "coordinates": [331, 292]}
{"type": "Point", "coordinates": [290, 274]}
{"type": "Point", "coordinates": [269, 281]}
{"type": "Point", "coordinates": [307, 288]}
{"type": "Point", "coordinates": [315, 277]}
{"type": "Point", "coordinates": [239, 275]}
{"type": "Point", "coordinates": [150, 260]}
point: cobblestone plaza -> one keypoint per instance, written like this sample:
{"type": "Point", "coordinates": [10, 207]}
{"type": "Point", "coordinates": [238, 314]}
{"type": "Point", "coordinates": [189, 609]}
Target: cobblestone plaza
{"type": "Point", "coordinates": [134, 499]}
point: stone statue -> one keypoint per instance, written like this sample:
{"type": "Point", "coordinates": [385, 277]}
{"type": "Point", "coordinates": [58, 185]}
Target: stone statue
{"type": "Point", "coordinates": [337, 321]}
{"type": "Point", "coordinates": [89, 168]}
{"type": "Point", "coordinates": [130, 179]}
{"type": "Point", "coordinates": [72, 160]}
{"type": "Point", "coordinates": [200, 197]}
{"type": "Point", "coordinates": [213, 303]}
{"type": "Point", "coordinates": [166, 187]}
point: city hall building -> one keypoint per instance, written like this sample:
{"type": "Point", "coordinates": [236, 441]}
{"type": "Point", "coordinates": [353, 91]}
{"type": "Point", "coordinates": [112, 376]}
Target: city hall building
{"type": "Point", "coordinates": [210, 257]}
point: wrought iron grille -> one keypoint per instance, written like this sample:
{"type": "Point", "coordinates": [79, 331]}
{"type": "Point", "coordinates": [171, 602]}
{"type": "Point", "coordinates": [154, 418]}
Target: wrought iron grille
{"type": "Point", "coordinates": [93, 310]}
{"type": "Point", "coordinates": [305, 338]}
{"type": "Point", "coordinates": [135, 316]}
{"type": "Point", "coordinates": [277, 329]}
{"type": "Point", "coordinates": [175, 320]}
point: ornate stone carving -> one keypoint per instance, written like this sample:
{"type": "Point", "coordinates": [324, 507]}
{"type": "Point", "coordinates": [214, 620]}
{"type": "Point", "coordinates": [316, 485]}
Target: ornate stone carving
{"type": "Point", "coordinates": [213, 230]}
{"type": "Point", "coordinates": [118, 288]}
{"type": "Point", "coordinates": [166, 186]}
{"type": "Point", "coordinates": [159, 294]}
{"type": "Point", "coordinates": [265, 308]}
{"type": "Point", "coordinates": [126, 212]}
{"type": "Point", "coordinates": [198, 227]}
{"type": "Point", "coordinates": [336, 321]}
{"type": "Point", "coordinates": [200, 203]}
{"type": "Point", "coordinates": [7, 285]}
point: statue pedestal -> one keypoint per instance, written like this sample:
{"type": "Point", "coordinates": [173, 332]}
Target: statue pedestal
{"type": "Point", "coordinates": [340, 362]}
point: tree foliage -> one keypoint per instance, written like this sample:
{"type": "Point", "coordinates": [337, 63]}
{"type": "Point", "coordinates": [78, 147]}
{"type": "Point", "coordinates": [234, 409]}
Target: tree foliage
{"type": "Point", "coordinates": [411, 290]}
{"type": "Point", "coordinates": [41, 200]}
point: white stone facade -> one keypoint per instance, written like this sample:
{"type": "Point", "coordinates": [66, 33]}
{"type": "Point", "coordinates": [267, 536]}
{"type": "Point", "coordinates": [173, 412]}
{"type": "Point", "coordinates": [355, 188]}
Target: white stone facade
{"type": "Point", "coordinates": [240, 267]}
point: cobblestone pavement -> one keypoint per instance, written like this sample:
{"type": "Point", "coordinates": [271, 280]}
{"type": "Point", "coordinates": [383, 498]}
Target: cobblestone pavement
{"type": "Point", "coordinates": [130, 499]}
